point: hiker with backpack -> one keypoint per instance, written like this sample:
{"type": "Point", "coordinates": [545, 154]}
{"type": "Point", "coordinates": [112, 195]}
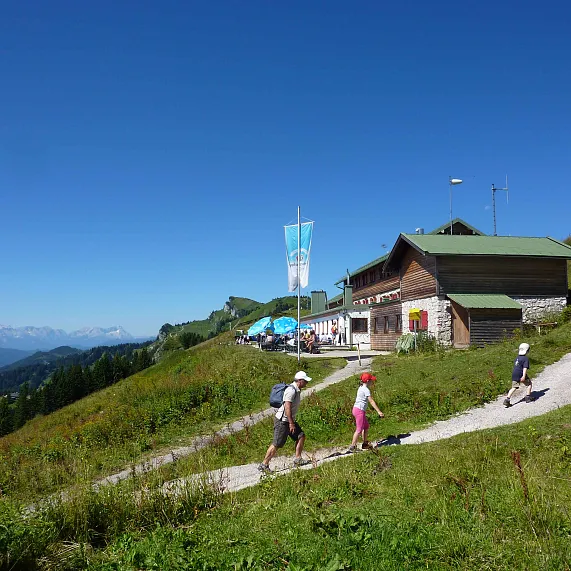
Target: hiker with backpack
{"type": "Point", "coordinates": [284, 420]}
{"type": "Point", "coordinates": [359, 411]}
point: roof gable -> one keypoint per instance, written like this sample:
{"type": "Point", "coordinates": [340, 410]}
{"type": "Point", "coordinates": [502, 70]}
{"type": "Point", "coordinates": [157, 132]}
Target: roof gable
{"type": "Point", "coordinates": [460, 227]}
{"type": "Point", "coordinates": [376, 262]}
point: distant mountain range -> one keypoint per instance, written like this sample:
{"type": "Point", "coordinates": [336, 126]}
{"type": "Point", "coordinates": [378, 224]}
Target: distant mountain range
{"type": "Point", "coordinates": [45, 338]}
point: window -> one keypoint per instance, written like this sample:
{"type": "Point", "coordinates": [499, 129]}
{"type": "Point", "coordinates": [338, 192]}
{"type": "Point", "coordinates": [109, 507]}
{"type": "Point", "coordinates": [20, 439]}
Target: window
{"type": "Point", "coordinates": [377, 324]}
{"type": "Point", "coordinates": [360, 325]}
{"type": "Point", "coordinates": [387, 324]}
{"type": "Point", "coordinates": [398, 323]}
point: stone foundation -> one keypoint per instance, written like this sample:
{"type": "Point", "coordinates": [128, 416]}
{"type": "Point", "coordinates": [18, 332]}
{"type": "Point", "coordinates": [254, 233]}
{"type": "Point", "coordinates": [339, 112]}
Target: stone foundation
{"type": "Point", "coordinates": [536, 309]}
{"type": "Point", "coordinates": [439, 317]}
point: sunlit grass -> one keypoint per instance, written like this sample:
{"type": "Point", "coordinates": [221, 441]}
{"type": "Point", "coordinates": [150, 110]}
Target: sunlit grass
{"type": "Point", "coordinates": [491, 500]}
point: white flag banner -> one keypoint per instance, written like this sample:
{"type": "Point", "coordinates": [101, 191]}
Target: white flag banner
{"type": "Point", "coordinates": [297, 256]}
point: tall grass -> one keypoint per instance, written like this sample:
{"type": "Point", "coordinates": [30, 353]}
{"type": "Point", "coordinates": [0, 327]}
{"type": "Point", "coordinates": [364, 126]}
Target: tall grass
{"type": "Point", "coordinates": [412, 391]}
{"type": "Point", "coordinates": [187, 394]}
{"type": "Point", "coordinates": [494, 500]}
{"type": "Point", "coordinates": [491, 500]}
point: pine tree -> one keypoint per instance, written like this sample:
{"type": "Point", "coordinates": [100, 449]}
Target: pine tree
{"type": "Point", "coordinates": [75, 383]}
{"type": "Point", "coordinates": [21, 408]}
{"type": "Point", "coordinates": [145, 360]}
{"type": "Point", "coordinates": [103, 372]}
{"type": "Point", "coordinates": [6, 416]}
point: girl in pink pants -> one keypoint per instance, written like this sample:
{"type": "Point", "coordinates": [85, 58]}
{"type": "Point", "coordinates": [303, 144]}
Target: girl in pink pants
{"type": "Point", "coordinates": [359, 411]}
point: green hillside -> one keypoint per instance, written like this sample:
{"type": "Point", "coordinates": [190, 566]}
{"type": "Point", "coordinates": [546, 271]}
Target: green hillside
{"type": "Point", "coordinates": [237, 313]}
{"type": "Point", "coordinates": [492, 500]}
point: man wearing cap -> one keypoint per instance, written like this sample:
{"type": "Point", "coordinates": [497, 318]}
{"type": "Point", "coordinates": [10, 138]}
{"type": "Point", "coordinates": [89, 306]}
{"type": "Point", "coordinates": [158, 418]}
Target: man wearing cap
{"type": "Point", "coordinates": [285, 424]}
{"type": "Point", "coordinates": [359, 411]}
{"type": "Point", "coordinates": [519, 375]}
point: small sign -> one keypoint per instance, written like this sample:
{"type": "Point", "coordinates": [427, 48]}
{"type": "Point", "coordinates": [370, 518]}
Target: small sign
{"type": "Point", "coordinates": [414, 314]}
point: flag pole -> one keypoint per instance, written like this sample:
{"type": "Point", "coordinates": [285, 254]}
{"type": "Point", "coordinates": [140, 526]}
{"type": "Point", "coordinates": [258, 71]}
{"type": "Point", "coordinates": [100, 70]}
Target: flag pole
{"type": "Point", "coordinates": [298, 285]}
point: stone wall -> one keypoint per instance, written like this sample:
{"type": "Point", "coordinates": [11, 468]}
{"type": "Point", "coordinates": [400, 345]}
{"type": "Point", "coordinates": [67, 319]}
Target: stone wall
{"type": "Point", "coordinates": [535, 309]}
{"type": "Point", "coordinates": [439, 317]}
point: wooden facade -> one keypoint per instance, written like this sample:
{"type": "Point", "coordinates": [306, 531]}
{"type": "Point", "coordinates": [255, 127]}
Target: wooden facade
{"type": "Point", "coordinates": [501, 274]}
{"type": "Point", "coordinates": [385, 326]}
{"type": "Point", "coordinates": [483, 326]}
{"type": "Point", "coordinates": [417, 275]}
{"type": "Point", "coordinates": [492, 325]}
{"type": "Point", "coordinates": [387, 284]}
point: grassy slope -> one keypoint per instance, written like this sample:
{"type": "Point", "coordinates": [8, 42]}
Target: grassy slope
{"type": "Point", "coordinates": [457, 504]}
{"type": "Point", "coordinates": [255, 310]}
{"type": "Point", "coordinates": [188, 393]}
{"type": "Point", "coordinates": [411, 391]}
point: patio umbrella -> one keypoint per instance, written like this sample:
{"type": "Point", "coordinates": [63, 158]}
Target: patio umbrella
{"type": "Point", "coordinates": [260, 326]}
{"type": "Point", "coordinates": [284, 325]}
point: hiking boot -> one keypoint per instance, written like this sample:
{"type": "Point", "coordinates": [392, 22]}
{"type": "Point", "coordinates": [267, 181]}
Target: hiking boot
{"type": "Point", "coordinates": [366, 446]}
{"type": "Point", "coordinates": [507, 403]}
{"type": "Point", "coordinates": [263, 468]}
{"type": "Point", "coordinates": [352, 449]}
{"type": "Point", "coordinates": [301, 462]}
{"type": "Point", "coordinates": [528, 398]}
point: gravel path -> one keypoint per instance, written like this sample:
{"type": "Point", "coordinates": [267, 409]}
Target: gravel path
{"type": "Point", "coordinates": [352, 368]}
{"type": "Point", "coordinates": [551, 388]}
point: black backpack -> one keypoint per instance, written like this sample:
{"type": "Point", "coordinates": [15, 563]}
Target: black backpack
{"type": "Point", "coordinates": [277, 394]}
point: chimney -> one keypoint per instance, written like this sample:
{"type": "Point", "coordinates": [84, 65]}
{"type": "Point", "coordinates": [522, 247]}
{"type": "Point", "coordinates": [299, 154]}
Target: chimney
{"type": "Point", "coordinates": [318, 301]}
{"type": "Point", "coordinates": [420, 230]}
{"type": "Point", "coordinates": [348, 296]}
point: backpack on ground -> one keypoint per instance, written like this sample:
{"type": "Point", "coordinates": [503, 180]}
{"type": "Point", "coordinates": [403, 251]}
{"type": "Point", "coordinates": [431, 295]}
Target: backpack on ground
{"type": "Point", "coordinates": [277, 394]}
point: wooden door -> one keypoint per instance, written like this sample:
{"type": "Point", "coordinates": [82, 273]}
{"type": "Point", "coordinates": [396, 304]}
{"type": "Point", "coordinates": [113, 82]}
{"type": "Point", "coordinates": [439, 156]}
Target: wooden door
{"type": "Point", "coordinates": [460, 327]}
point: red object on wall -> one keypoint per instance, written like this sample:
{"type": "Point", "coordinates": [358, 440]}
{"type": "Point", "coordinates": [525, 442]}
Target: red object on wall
{"type": "Point", "coordinates": [421, 325]}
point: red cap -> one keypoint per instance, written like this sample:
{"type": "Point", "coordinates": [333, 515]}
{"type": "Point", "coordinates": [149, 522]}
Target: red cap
{"type": "Point", "coordinates": [366, 377]}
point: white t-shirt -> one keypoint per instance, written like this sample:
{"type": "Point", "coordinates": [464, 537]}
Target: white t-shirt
{"type": "Point", "coordinates": [362, 400]}
{"type": "Point", "coordinates": [291, 394]}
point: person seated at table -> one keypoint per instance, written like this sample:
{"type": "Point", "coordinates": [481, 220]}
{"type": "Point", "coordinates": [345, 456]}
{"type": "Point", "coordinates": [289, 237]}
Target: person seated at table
{"type": "Point", "coordinates": [311, 342]}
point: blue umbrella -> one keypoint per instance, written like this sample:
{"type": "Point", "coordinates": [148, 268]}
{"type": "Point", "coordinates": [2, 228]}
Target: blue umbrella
{"type": "Point", "coordinates": [260, 326]}
{"type": "Point", "coordinates": [284, 325]}
{"type": "Point", "coordinates": [305, 326]}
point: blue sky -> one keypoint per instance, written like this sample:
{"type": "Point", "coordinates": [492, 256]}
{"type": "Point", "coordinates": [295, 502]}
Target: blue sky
{"type": "Point", "coordinates": [151, 152]}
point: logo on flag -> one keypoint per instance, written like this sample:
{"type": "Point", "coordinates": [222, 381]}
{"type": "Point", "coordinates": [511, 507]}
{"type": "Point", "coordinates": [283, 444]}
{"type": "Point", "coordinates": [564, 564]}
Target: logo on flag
{"type": "Point", "coordinates": [298, 256]}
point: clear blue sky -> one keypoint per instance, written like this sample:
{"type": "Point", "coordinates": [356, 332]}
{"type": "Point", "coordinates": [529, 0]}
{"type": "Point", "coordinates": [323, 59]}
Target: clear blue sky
{"type": "Point", "coordinates": [151, 152]}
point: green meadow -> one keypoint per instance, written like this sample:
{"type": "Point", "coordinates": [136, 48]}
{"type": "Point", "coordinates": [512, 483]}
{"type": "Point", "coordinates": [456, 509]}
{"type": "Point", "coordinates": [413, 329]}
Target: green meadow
{"type": "Point", "coordinates": [497, 499]}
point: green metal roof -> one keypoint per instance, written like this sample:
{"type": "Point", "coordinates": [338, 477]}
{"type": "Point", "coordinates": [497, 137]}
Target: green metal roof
{"type": "Point", "coordinates": [335, 299]}
{"type": "Point", "coordinates": [457, 221]}
{"type": "Point", "coordinates": [363, 268]}
{"type": "Point", "coordinates": [484, 301]}
{"type": "Point", "coordinates": [445, 245]}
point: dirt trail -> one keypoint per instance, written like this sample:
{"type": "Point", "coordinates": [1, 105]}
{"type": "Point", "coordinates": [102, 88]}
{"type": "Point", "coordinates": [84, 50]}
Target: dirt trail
{"type": "Point", "coordinates": [551, 388]}
{"type": "Point", "coordinates": [352, 368]}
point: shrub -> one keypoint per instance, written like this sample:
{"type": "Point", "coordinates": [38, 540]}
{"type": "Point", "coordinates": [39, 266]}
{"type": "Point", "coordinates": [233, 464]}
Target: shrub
{"type": "Point", "coordinates": [566, 314]}
{"type": "Point", "coordinates": [425, 343]}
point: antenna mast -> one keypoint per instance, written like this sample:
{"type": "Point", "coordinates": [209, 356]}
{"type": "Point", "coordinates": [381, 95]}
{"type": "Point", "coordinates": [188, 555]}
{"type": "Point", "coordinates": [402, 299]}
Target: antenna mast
{"type": "Point", "coordinates": [494, 200]}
